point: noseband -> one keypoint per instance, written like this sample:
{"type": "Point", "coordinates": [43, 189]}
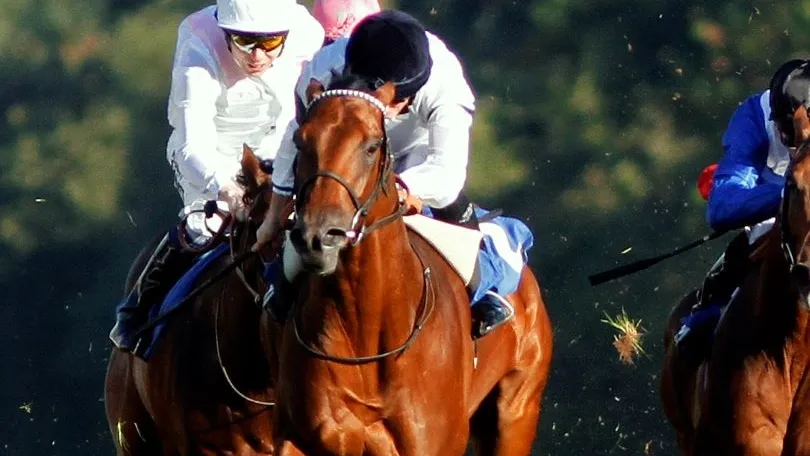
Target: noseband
{"type": "Point", "coordinates": [357, 228]}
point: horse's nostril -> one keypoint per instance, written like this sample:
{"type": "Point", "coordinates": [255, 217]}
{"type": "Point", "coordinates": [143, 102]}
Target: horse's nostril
{"type": "Point", "coordinates": [316, 244]}
{"type": "Point", "coordinates": [334, 237]}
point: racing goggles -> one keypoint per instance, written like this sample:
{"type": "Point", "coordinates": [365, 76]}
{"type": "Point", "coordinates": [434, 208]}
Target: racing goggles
{"type": "Point", "coordinates": [267, 43]}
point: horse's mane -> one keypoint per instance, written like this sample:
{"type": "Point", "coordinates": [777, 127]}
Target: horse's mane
{"type": "Point", "coordinates": [767, 245]}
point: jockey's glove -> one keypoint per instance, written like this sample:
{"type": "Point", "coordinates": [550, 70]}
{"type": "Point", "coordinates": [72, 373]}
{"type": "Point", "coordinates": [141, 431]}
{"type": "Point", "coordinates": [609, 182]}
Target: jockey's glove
{"type": "Point", "coordinates": [233, 194]}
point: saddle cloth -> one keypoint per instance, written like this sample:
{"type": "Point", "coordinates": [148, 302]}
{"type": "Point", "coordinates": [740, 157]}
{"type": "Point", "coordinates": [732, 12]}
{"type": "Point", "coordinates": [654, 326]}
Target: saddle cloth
{"type": "Point", "coordinates": [458, 245]}
{"type": "Point", "coordinates": [499, 259]}
{"type": "Point", "coordinates": [178, 292]}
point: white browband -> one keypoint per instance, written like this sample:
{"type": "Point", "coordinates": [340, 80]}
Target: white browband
{"type": "Point", "coordinates": [350, 93]}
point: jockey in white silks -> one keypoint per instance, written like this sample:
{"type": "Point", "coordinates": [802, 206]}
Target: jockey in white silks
{"type": "Point", "coordinates": [233, 78]}
{"type": "Point", "coordinates": [428, 125]}
{"type": "Point", "coordinates": [746, 191]}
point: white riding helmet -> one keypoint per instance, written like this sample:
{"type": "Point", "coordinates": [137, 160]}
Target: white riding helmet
{"type": "Point", "coordinates": [257, 16]}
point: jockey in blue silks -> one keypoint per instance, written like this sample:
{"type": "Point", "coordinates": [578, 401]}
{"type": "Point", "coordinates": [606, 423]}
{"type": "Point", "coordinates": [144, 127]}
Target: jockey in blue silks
{"type": "Point", "coordinates": [749, 179]}
{"type": "Point", "coordinates": [428, 125]}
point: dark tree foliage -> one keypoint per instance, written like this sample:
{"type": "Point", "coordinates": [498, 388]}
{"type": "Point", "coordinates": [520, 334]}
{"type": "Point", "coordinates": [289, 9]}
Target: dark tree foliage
{"type": "Point", "coordinates": [594, 119]}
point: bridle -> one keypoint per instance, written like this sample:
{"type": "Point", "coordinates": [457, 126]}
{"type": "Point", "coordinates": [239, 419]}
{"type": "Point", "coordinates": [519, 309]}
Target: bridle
{"type": "Point", "coordinates": [799, 271]}
{"type": "Point", "coordinates": [230, 225]}
{"type": "Point", "coordinates": [357, 229]}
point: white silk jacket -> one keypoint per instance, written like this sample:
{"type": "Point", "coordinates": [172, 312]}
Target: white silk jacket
{"type": "Point", "coordinates": [214, 106]}
{"type": "Point", "coordinates": [430, 142]}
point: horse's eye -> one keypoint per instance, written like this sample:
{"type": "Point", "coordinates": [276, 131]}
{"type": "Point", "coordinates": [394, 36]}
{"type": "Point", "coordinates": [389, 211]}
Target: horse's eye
{"type": "Point", "coordinates": [373, 147]}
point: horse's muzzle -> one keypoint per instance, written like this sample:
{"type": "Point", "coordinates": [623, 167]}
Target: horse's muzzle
{"type": "Point", "coordinates": [319, 248]}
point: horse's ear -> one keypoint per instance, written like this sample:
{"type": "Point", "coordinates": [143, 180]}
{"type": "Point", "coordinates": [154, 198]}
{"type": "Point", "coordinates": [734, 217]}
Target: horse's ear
{"type": "Point", "coordinates": [314, 89]}
{"type": "Point", "coordinates": [386, 93]}
{"type": "Point", "coordinates": [801, 125]}
{"type": "Point", "coordinates": [253, 176]}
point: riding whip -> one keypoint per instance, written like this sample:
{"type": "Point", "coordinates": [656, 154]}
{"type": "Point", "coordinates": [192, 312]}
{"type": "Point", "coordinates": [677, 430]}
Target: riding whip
{"type": "Point", "coordinates": [640, 265]}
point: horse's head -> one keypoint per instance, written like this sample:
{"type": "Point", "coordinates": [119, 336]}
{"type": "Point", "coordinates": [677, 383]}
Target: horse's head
{"type": "Point", "coordinates": [795, 211]}
{"type": "Point", "coordinates": [346, 184]}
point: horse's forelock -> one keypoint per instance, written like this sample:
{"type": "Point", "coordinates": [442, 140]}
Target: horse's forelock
{"type": "Point", "coordinates": [351, 81]}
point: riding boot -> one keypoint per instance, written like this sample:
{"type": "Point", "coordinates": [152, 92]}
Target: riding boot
{"type": "Point", "coordinates": [492, 310]}
{"type": "Point", "coordinates": [725, 275]}
{"type": "Point", "coordinates": [277, 296]}
{"type": "Point", "coordinates": [166, 265]}
{"type": "Point", "coordinates": [280, 302]}
{"type": "Point", "coordinates": [489, 312]}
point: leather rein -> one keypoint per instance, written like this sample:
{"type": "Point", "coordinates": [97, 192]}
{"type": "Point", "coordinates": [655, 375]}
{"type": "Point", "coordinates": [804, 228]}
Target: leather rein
{"type": "Point", "coordinates": [358, 230]}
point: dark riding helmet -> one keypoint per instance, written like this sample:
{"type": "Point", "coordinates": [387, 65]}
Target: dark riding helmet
{"type": "Point", "coordinates": [390, 46]}
{"type": "Point", "coordinates": [790, 88]}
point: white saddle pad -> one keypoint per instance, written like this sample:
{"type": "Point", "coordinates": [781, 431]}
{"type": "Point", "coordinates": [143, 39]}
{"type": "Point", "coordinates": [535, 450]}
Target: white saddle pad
{"type": "Point", "coordinates": [458, 245]}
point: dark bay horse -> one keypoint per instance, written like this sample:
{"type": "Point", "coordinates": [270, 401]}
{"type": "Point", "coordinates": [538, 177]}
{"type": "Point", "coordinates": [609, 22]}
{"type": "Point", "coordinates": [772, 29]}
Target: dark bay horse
{"type": "Point", "coordinates": [376, 357]}
{"type": "Point", "coordinates": [750, 396]}
{"type": "Point", "coordinates": [206, 387]}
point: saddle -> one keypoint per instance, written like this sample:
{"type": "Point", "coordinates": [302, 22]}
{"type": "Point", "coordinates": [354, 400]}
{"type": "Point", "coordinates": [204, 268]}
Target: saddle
{"type": "Point", "coordinates": [177, 295]}
{"type": "Point", "coordinates": [458, 245]}
{"type": "Point", "coordinates": [491, 259]}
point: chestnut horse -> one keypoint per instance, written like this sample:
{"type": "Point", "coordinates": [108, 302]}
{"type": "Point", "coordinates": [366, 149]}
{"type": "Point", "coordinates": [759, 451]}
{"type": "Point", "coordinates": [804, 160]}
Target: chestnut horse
{"type": "Point", "coordinates": [376, 356]}
{"type": "Point", "coordinates": [206, 387]}
{"type": "Point", "coordinates": [750, 396]}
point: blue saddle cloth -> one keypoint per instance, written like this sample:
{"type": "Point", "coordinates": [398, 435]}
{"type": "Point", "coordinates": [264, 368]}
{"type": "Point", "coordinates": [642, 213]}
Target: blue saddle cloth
{"type": "Point", "coordinates": [496, 273]}
{"type": "Point", "coordinates": [180, 290]}
{"type": "Point", "coordinates": [707, 317]}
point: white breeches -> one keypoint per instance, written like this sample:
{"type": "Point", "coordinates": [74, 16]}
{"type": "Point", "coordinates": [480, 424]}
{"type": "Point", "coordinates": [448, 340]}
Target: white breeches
{"type": "Point", "coordinates": [755, 232]}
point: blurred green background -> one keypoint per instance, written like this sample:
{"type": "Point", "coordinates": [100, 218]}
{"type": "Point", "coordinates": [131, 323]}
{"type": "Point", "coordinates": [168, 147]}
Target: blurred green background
{"type": "Point", "coordinates": [595, 118]}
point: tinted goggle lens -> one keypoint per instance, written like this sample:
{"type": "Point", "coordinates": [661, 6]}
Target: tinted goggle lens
{"type": "Point", "coordinates": [265, 43]}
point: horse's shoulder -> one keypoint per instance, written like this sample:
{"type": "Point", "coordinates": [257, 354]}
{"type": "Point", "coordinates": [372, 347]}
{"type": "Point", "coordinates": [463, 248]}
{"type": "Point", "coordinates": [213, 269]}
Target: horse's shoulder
{"type": "Point", "coordinates": [766, 247]}
{"type": "Point", "coordinates": [430, 255]}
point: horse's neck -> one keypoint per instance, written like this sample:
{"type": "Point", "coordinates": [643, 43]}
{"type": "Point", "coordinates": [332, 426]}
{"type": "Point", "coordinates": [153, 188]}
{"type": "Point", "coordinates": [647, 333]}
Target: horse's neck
{"type": "Point", "coordinates": [234, 302]}
{"type": "Point", "coordinates": [377, 289]}
{"type": "Point", "coordinates": [226, 326]}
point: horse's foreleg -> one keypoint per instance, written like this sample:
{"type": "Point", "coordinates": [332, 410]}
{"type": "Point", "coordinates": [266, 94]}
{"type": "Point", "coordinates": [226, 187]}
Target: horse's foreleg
{"type": "Point", "coordinates": [797, 440]}
{"type": "Point", "coordinates": [767, 441]}
{"type": "Point", "coordinates": [745, 412]}
{"type": "Point", "coordinates": [506, 422]}
{"type": "Point", "coordinates": [678, 387]}
{"type": "Point", "coordinates": [131, 427]}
